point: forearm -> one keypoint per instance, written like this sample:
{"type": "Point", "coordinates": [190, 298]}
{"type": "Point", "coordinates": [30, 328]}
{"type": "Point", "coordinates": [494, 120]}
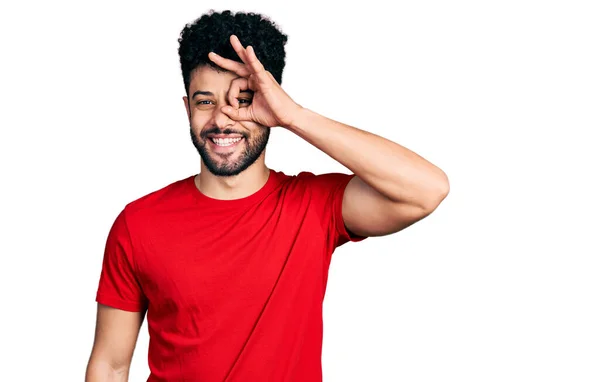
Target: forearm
{"type": "Point", "coordinates": [393, 170]}
{"type": "Point", "coordinates": [99, 371]}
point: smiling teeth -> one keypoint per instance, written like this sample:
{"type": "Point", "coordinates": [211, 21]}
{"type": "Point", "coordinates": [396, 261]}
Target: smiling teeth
{"type": "Point", "coordinates": [225, 141]}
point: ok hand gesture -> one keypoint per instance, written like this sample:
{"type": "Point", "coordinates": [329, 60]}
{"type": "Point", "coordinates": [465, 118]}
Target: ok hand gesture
{"type": "Point", "coordinates": [271, 106]}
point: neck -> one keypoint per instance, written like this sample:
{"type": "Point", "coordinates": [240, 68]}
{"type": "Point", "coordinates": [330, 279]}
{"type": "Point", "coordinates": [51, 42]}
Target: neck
{"type": "Point", "coordinates": [239, 186]}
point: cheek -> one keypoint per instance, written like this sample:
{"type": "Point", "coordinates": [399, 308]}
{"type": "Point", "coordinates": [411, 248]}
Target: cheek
{"type": "Point", "coordinates": [198, 118]}
{"type": "Point", "coordinates": [252, 126]}
{"type": "Point", "coordinates": [198, 122]}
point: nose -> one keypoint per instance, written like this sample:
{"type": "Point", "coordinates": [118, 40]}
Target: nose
{"type": "Point", "coordinates": [221, 119]}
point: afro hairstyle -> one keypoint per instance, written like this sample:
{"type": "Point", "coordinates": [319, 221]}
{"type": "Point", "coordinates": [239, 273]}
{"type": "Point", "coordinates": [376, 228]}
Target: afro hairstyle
{"type": "Point", "coordinates": [211, 32]}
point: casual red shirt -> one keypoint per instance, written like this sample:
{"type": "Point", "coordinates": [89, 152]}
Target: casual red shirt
{"type": "Point", "coordinates": [233, 288]}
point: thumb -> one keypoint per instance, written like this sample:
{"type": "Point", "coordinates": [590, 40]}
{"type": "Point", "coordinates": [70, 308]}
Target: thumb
{"type": "Point", "coordinates": [241, 114]}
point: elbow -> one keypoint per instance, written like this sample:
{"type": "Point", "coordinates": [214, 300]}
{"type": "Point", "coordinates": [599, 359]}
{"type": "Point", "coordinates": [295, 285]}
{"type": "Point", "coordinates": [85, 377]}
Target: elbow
{"type": "Point", "coordinates": [437, 194]}
{"type": "Point", "coordinates": [444, 188]}
{"type": "Point", "coordinates": [102, 371]}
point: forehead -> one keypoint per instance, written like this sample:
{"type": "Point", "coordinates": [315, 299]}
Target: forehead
{"type": "Point", "coordinates": [209, 79]}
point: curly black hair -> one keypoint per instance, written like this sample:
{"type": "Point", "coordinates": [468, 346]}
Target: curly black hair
{"type": "Point", "coordinates": [211, 32]}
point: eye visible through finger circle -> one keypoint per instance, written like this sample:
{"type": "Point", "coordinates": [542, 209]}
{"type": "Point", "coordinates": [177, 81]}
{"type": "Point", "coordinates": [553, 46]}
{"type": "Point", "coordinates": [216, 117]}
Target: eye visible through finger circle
{"type": "Point", "coordinates": [237, 86]}
{"type": "Point", "coordinates": [244, 102]}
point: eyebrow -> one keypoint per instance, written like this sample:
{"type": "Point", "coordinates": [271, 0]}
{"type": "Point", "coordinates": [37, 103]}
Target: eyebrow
{"type": "Point", "coordinates": [211, 94]}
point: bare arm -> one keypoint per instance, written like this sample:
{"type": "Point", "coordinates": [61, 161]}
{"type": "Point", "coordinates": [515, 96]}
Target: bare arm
{"type": "Point", "coordinates": [393, 188]}
{"type": "Point", "coordinates": [114, 342]}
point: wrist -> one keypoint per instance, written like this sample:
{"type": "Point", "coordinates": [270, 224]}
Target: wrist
{"type": "Point", "coordinates": [300, 119]}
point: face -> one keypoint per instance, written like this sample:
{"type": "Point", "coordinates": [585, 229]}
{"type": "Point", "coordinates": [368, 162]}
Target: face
{"type": "Point", "coordinates": [227, 147]}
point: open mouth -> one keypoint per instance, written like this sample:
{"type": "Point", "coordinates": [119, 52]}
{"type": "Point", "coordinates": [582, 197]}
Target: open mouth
{"type": "Point", "coordinates": [222, 143]}
{"type": "Point", "coordinates": [226, 142]}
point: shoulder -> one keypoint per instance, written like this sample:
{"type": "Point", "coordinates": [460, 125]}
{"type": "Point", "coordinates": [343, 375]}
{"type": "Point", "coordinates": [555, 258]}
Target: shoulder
{"type": "Point", "coordinates": [318, 186]}
{"type": "Point", "coordinates": [323, 182]}
{"type": "Point", "coordinates": [164, 198]}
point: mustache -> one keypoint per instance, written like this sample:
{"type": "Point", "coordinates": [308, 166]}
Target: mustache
{"type": "Point", "coordinates": [216, 130]}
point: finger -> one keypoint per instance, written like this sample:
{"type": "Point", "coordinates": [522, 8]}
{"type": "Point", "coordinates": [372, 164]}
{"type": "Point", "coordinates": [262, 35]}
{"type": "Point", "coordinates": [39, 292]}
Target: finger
{"type": "Point", "coordinates": [237, 85]}
{"type": "Point", "coordinates": [238, 47]}
{"type": "Point", "coordinates": [227, 64]}
{"type": "Point", "coordinates": [242, 114]}
{"type": "Point", "coordinates": [255, 65]}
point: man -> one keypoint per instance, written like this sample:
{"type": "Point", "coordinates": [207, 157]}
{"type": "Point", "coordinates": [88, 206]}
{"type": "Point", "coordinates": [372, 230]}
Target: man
{"type": "Point", "coordinates": [230, 265]}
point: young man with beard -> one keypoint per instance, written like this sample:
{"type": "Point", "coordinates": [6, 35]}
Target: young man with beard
{"type": "Point", "coordinates": [230, 265]}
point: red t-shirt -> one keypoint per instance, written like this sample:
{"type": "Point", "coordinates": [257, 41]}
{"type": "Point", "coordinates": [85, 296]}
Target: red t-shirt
{"type": "Point", "coordinates": [233, 288]}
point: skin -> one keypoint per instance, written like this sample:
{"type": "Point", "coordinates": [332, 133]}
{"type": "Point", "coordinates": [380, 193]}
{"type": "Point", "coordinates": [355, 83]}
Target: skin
{"type": "Point", "coordinates": [114, 342]}
{"type": "Point", "coordinates": [392, 189]}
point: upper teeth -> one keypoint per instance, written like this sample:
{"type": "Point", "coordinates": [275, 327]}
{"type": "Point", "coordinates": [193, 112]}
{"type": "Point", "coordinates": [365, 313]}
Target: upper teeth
{"type": "Point", "coordinates": [226, 141]}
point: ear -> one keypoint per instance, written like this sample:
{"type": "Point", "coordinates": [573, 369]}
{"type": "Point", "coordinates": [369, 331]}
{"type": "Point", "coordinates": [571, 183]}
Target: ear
{"type": "Point", "coordinates": [187, 107]}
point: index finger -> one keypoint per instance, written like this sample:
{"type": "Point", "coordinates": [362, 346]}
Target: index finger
{"type": "Point", "coordinates": [227, 64]}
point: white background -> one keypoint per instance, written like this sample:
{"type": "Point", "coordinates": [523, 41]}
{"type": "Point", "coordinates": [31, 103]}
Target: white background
{"type": "Point", "coordinates": [500, 283]}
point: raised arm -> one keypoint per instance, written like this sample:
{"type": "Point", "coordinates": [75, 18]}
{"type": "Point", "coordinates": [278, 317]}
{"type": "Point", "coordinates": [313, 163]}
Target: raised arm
{"type": "Point", "coordinates": [114, 342]}
{"type": "Point", "coordinates": [393, 188]}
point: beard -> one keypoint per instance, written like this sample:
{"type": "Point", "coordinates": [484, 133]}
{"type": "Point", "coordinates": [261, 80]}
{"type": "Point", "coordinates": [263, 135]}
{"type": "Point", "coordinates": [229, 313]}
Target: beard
{"type": "Point", "coordinates": [254, 146]}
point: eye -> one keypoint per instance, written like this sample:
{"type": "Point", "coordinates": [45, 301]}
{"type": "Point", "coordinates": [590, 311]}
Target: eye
{"type": "Point", "coordinates": [203, 102]}
{"type": "Point", "coordinates": [244, 101]}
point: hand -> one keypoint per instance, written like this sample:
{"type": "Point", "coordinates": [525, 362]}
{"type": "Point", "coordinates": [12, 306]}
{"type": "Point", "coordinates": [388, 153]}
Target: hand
{"type": "Point", "coordinates": [271, 106]}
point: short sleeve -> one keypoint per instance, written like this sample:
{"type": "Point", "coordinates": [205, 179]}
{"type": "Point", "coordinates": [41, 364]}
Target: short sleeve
{"type": "Point", "coordinates": [119, 286]}
{"type": "Point", "coordinates": [327, 191]}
